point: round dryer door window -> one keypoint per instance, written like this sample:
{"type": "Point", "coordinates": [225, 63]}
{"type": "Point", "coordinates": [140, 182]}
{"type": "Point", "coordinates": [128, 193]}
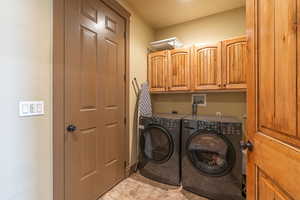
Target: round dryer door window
{"type": "Point", "coordinates": [212, 154]}
{"type": "Point", "coordinates": [157, 144]}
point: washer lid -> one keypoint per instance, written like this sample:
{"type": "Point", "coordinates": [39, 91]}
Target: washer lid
{"type": "Point", "coordinates": [211, 153]}
{"type": "Point", "coordinates": [157, 144]}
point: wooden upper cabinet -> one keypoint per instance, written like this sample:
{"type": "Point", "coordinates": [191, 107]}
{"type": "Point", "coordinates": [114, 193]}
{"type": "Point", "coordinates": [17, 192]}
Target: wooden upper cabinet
{"type": "Point", "coordinates": [234, 63]}
{"type": "Point", "coordinates": [179, 77]}
{"type": "Point", "coordinates": [217, 66]}
{"type": "Point", "coordinates": [206, 70]}
{"type": "Point", "coordinates": [157, 71]}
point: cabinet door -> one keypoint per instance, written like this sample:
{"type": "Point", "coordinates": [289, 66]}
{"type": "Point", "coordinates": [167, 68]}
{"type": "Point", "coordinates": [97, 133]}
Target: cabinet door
{"type": "Point", "coordinates": [157, 71]}
{"type": "Point", "coordinates": [234, 63]}
{"type": "Point", "coordinates": [206, 70]}
{"type": "Point", "coordinates": [273, 99]}
{"type": "Point", "coordinates": [179, 69]}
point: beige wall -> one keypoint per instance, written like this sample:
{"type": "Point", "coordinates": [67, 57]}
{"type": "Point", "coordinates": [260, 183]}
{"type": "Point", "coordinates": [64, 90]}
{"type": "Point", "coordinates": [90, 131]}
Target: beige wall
{"type": "Point", "coordinates": [26, 74]}
{"type": "Point", "coordinates": [140, 36]}
{"type": "Point", "coordinates": [25, 62]}
{"type": "Point", "coordinates": [26, 70]}
{"type": "Point", "coordinates": [208, 29]}
{"type": "Point", "coordinates": [229, 104]}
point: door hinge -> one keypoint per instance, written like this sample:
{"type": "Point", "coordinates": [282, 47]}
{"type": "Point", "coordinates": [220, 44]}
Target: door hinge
{"type": "Point", "coordinates": [125, 164]}
{"type": "Point", "coordinates": [124, 77]}
{"type": "Point", "coordinates": [125, 34]}
{"type": "Point", "coordinates": [125, 120]}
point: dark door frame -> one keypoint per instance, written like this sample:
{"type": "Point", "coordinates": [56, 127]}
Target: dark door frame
{"type": "Point", "coordinates": [59, 91]}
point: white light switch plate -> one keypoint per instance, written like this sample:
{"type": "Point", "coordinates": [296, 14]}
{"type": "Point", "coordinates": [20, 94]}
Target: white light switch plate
{"type": "Point", "coordinates": [31, 108]}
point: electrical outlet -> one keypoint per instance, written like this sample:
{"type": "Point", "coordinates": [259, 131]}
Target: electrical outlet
{"type": "Point", "coordinates": [218, 114]}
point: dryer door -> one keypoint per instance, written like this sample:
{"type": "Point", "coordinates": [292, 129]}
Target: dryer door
{"type": "Point", "coordinates": [212, 154]}
{"type": "Point", "coordinates": [157, 144]}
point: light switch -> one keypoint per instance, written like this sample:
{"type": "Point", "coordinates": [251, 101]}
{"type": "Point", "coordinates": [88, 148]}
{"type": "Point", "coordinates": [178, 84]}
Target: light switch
{"type": "Point", "coordinates": [31, 108]}
{"type": "Point", "coordinates": [25, 109]}
{"type": "Point", "coordinates": [39, 108]}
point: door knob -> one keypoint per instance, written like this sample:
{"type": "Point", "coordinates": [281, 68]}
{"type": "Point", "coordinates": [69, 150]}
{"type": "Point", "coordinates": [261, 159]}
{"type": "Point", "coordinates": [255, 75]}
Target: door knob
{"type": "Point", "coordinates": [71, 128]}
{"type": "Point", "coordinates": [246, 145]}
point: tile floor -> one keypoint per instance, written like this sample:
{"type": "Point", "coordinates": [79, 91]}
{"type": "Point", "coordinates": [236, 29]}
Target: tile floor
{"type": "Point", "coordinates": [137, 187]}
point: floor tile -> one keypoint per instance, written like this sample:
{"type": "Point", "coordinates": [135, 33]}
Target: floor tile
{"type": "Point", "coordinates": [137, 187]}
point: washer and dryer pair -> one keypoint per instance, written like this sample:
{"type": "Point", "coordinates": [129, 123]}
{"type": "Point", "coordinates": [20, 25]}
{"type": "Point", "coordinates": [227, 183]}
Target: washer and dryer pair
{"type": "Point", "coordinates": [200, 153]}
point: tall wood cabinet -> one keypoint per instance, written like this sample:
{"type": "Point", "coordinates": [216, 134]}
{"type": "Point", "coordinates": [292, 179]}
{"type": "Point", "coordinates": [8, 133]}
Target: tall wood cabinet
{"type": "Point", "coordinates": [234, 60]}
{"type": "Point", "coordinates": [157, 71]}
{"type": "Point", "coordinates": [179, 76]}
{"type": "Point", "coordinates": [207, 68]}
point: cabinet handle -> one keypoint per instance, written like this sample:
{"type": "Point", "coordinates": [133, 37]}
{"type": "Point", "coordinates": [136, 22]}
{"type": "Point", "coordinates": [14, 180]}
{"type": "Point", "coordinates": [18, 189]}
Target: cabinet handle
{"type": "Point", "coordinates": [296, 26]}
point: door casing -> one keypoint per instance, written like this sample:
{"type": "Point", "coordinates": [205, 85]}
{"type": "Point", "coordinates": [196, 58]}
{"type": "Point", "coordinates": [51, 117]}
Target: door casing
{"type": "Point", "coordinates": [59, 91]}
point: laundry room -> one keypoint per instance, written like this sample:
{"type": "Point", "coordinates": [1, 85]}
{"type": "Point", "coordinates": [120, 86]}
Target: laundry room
{"type": "Point", "coordinates": [190, 101]}
{"type": "Point", "coordinates": [150, 100]}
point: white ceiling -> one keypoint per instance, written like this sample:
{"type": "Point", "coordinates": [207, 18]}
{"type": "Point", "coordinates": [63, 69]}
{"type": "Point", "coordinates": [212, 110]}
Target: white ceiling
{"type": "Point", "coordinates": [162, 13]}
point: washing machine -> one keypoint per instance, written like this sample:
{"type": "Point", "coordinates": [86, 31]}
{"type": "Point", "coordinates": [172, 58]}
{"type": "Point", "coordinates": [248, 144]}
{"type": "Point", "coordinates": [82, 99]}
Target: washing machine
{"type": "Point", "coordinates": [159, 158]}
{"type": "Point", "coordinates": [211, 157]}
